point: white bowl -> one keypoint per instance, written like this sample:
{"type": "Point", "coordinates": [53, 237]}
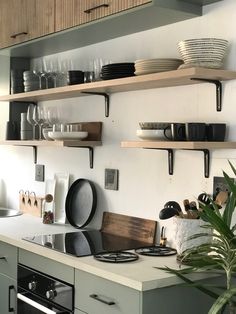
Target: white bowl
{"type": "Point", "coordinates": [45, 132]}
{"type": "Point", "coordinates": [60, 136]}
{"type": "Point", "coordinates": [151, 135]}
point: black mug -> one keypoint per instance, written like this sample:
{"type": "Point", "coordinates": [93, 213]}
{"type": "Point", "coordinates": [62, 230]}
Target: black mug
{"type": "Point", "coordinates": [196, 131]}
{"type": "Point", "coordinates": [177, 132]}
{"type": "Point", "coordinates": [216, 132]}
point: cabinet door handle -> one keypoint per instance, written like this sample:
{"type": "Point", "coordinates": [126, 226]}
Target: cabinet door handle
{"type": "Point", "coordinates": [10, 309]}
{"type": "Point", "coordinates": [104, 5]}
{"type": "Point", "coordinates": [3, 257]}
{"type": "Point", "coordinates": [18, 34]}
{"type": "Point", "coordinates": [96, 297]}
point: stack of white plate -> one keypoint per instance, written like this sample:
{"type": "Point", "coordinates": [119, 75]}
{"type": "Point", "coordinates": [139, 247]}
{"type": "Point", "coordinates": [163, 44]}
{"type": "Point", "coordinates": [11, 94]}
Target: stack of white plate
{"type": "Point", "coordinates": [204, 52]}
{"type": "Point", "coordinates": [147, 66]}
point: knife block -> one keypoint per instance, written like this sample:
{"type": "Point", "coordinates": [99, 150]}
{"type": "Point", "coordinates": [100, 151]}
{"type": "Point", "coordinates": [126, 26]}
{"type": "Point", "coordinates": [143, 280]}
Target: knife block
{"type": "Point", "coordinates": [31, 204]}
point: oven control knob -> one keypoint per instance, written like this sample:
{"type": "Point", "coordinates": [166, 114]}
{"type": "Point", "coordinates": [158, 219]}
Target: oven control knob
{"type": "Point", "coordinates": [50, 294]}
{"type": "Point", "coordinates": [32, 285]}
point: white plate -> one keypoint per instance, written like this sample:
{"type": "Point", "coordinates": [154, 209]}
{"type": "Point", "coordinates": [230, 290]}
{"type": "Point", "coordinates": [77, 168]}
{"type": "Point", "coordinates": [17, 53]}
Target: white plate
{"type": "Point", "coordinates": [60, 136]}
{"type": "Point", "coordinates": [151, 135]}
{"type": "Point", "coordinates": [61, 189]}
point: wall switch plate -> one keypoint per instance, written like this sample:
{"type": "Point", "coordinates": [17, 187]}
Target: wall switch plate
{"type": "Point", "coordinates": [219, 184]}
{"type": "Point", "coordinates": [39, 173]}
{"type": "Point", "coordinates": [111, 179]}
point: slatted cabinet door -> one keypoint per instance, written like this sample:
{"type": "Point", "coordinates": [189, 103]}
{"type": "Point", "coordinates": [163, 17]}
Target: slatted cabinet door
{"type": "Point", "coordinates": [70, 13]}
{"type": "Point", "coordinates": [22, 20]}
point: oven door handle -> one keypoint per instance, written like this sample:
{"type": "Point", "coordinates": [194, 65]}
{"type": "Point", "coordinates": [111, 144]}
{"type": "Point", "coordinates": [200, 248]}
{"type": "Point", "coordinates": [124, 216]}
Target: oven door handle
{"type": "Point", "coordinates": [34, 304]}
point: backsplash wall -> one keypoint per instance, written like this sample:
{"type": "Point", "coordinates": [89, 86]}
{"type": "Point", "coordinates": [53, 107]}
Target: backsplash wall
{"type": "Point", "coordinates": [144, 184]}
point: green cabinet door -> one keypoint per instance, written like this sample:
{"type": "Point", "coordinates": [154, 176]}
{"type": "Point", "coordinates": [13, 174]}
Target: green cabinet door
{"type": "Point", "coordinates": [7, 295]}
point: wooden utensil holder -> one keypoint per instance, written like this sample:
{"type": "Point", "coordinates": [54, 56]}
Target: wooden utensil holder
{"type": "Point", "coordinates": [31, 204]}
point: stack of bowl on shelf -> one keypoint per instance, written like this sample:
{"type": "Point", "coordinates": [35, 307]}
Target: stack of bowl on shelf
{"type": "Point", "coordinates": [75, 77]}
{"type": "Point", "coordinates": [147, 66]}
{"type": "Point", "coordinates": [153, 130]}
{"type": "Point", "coordinates": [117, 70]}
{"type": "Point", "coordinates": [31, 81]}
{"type": "Point", "coordinates": [17, 85]}
{"type": "Point", "coordinates": [203, 52]}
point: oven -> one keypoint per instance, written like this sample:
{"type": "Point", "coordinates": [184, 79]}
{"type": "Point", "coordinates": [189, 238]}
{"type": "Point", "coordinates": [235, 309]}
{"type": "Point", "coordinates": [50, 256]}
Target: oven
{"type": "Point", "coordinates": [39, 293]}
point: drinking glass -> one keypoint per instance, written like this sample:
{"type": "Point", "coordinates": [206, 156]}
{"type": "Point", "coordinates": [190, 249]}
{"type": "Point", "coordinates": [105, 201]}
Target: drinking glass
{"type": "Point", "coordinates": [38, 70]}
{"type": "Point", "coordinates": [51, 68]}
{"type": "Point", "coordinates": [29, 117]}
{"type": "Point", "coordinates": [38, 118]}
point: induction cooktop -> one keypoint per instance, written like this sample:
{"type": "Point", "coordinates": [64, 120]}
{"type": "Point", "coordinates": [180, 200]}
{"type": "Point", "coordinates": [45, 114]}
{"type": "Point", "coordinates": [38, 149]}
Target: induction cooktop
{"type": "Point", "coordinates": [85, 243]}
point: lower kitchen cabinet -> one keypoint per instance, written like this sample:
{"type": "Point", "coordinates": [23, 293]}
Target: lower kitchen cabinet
{"type": "Point", "coordinates": [8, 277]}
{"type": "Point", "coordinates": [95, 295]}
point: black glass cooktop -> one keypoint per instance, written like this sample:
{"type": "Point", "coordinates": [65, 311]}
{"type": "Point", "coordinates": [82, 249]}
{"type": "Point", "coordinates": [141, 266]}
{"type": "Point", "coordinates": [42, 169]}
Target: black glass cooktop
{"type": "Point", "coordinates": [84, 243]}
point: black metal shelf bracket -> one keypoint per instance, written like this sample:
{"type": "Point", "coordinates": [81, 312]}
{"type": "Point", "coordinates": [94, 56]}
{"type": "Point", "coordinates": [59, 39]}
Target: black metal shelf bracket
{"type": "Point", "coordinates": [218, 86]}
{"type": "Point", "coordinates": [35, 153]}
{"type": "Point", "coordinates": [90, 157]}
{"type": "Point", "coordinates": [107, 100]}
{"type": "Point", "coordinates": [170, 159]}
{"type": "Point", "coordinates": [206, 162]}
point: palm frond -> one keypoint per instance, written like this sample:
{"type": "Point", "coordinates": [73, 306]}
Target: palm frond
{"type": "Point", "coordinates": [222, 300]}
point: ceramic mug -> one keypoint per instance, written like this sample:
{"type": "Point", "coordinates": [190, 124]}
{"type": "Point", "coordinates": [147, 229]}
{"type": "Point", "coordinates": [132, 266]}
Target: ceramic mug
{"type": "Point", "coordinates": [216, 132]}
{"type": "Point", "coordinates": [176, 132]}
{"type": "Point", "coordinates": [196, 131]}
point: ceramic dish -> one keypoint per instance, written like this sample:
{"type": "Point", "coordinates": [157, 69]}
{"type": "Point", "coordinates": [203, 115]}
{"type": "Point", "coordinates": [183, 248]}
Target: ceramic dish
{"type": "Point", "coordinates": [151, 134]}
{"type": "Point", "coordinates": [60, 136]}
{"type": "Point", "coordinates": [81, 203]}
{"type": "Point", "coordinates": [154, 125]}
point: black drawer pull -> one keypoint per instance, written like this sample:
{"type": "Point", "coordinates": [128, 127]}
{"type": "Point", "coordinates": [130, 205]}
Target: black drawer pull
{"type": "Point", "coordinates": [10, 309]}
{"type": "Point", "coordinates": [96, 297]}
{"type": "Point", "coordinates": [3, 257]}
{"type": "Point", "coordinates": [88, 11]}
{"type": "Point", "coordinates": [18, 34]}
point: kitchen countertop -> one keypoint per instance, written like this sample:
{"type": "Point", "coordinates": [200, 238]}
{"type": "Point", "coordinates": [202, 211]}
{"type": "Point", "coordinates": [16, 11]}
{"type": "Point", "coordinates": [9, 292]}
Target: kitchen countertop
{"type": "Point", "coordinates": [140, 275]}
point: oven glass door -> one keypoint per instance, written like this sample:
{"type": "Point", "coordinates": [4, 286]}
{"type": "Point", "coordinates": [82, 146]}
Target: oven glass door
{"type": "Point", "coordinates": [29, 303]}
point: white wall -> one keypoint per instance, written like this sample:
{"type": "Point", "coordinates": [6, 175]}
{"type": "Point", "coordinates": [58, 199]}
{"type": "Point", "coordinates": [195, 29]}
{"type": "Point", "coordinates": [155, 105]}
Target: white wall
{"type": "Point", "coordinates": [144, 185]}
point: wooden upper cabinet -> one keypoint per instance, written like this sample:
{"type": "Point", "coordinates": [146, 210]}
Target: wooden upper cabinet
{"type": "Point", "coordinates": [22, 20]}
{"type": "Point", "coordinates": [69, 13]}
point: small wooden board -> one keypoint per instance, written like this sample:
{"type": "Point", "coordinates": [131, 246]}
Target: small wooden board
{"type": "Point", "coordinates": [31, 205]}
{"type": "Point", "coordinates": [94, 130]}
{"type": "Point", "coordinates": [129, 227]}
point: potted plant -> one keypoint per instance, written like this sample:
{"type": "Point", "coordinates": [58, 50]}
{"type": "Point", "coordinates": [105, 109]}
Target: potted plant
{"type": "Point", "coordinates": [218, 256]}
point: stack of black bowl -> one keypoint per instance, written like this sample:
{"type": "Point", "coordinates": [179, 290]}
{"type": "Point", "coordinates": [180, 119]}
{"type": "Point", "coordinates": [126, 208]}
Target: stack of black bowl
{"type": "Point", "coordinates": [117, 70]}
{"type": "Point", "coordinates": [75, 77]}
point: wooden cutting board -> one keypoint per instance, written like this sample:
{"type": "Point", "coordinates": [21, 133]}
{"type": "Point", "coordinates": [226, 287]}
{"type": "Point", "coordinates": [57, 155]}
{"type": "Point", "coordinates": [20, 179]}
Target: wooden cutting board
{"type": "Point", "coordinates": [129, 227]}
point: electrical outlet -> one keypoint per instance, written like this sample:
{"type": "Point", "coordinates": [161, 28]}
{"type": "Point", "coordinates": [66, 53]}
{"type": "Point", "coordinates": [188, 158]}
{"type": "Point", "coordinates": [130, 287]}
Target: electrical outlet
{"type": "Point", "coordinates": [111, 179]}
{"type": "Point", "coordinates": [219, 184]}
{"type": "Point", "coordinates": [39, 173]}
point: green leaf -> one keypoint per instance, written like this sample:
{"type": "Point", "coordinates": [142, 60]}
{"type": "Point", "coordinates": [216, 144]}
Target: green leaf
{"type": "Point", "coordinates": [190, 282]}
{"type": "Point", "coordinates": [222, 300]}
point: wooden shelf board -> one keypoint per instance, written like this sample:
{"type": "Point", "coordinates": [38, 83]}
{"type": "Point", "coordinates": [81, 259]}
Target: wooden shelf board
{"type": "Point", "coordinates": [148, 81]}
{"type": "Point", "coordinates": [178, 145]}
{"type": "Point", "coordinates": [67, 143]}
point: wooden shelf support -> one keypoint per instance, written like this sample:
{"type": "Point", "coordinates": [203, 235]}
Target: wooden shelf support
{"type": "Point", "coordinates": [218, 85]}
{"type": "Point", "coordinates": [107, 100]}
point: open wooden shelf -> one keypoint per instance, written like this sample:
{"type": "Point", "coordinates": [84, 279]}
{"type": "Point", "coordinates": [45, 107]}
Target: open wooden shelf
{"type": "Point", "coordinates": [170, 146]}
{"type": "Point", "coordinates": [37, 143]}
{"type": "Point", "coordinates": [148, 81]}
{"type": "Point", "coordinates": [68, 143]}
{"type": "Point", "coordinates": [178, 145]}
